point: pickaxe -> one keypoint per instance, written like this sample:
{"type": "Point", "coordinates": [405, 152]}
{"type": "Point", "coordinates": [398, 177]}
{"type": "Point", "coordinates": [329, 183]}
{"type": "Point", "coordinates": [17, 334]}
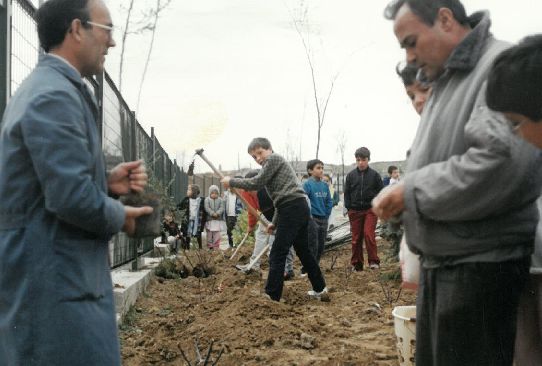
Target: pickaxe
{"type": "Point", "coordinates": [240, 245]}
{"type": "Point", "coordinates": [251, 264]}
{"type": "Point", "coordinates": [250, 209]}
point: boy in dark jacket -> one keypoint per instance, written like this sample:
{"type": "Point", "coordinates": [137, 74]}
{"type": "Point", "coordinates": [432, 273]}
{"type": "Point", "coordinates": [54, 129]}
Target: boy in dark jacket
{"type": "Point", "coordinates": [361, 186]}
{"type": "Point", "coordinates": [193, 219]}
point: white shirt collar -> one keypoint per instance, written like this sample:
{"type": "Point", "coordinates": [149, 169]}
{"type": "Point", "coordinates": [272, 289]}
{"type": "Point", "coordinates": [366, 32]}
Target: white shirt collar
{"type": "Point", "coordinates": [64, 60]}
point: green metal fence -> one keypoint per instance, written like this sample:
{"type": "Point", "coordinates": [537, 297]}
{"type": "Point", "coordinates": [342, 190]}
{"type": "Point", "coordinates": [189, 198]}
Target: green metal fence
{"type": "Point", "coordinates": [123, 138]}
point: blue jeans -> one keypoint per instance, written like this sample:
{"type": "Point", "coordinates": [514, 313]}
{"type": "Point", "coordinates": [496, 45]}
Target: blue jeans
{"type": "Point", "coordinates": [317, 236]}
{"type": "Point", "coordinates": [292, 228]}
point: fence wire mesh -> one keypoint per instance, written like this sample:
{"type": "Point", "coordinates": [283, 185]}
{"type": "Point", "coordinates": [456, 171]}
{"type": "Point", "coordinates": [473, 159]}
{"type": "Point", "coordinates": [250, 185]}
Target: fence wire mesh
{"type": "Point", "coordinates": [123, 138]}
{"type": "Point", "coordinates": [25, 49]}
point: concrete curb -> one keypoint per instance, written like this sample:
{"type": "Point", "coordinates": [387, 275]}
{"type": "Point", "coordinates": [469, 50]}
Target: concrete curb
{"type": "Point", "coordinates": [128, 285]}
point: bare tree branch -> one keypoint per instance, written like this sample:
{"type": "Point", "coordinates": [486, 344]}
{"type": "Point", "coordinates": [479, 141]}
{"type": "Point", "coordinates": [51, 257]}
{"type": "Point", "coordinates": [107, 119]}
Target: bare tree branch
{"type": "Point", "coordinates": [145, 22]}
{"type": "Point", "coordinates": [341, 148]}
{"type": "Point", "coordinates": [123, 44]}
{"type": "Point", "coordinates": [160, 6]}
{"type": "Point", "coordinates": [321, 106]}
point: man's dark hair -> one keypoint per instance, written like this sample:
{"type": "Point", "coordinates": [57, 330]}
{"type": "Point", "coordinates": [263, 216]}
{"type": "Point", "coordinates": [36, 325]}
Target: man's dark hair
{"type": "Point", "coordinates": [407, 73]}
{"type": "Point", "coordinates": [195, 190]}
{"type": "Point", "coordinates": [515, 81]}
{"type": "Point", "coordinates": [391, 168]}
{"type": "Point", "coordinates": [54, 20]}
{"type": "Point", "coordinates": [259, 142]}
{"type": "Point", "coordinates": [252, 173]}
{"type": "Point", "coordinates": [312, 163]}
{"type": "Point", "coordinates": [427, 10]}
{"type": "Point", "coordinates": [362, 152]}
{"type": "Point", "coordinates": [328, 177]}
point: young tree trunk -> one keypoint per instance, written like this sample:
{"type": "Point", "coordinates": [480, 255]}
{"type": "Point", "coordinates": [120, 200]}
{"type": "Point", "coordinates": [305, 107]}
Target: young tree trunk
{"type": "Point", "coordinates": [123, 43]}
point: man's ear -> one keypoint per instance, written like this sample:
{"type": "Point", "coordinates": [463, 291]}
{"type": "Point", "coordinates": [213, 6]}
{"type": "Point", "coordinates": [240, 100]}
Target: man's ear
{"type": "Point", "coordinates": [446, 19]}
{"type": "Point", "coordinates": [76, 29]}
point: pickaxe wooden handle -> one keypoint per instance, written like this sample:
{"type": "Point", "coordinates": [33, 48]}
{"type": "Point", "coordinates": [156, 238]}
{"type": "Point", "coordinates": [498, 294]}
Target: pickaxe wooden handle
{"type": "Point", "coordinates": [250, 209]}
{"type": "Point", "coordinates": [264, 249]}
{"type": "Point", "coordinates": [240, 245]}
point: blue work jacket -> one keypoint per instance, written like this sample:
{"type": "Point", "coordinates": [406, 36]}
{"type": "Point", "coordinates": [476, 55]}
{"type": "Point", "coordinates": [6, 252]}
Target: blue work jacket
{"type": "Point", "coordinates": [56, 219]}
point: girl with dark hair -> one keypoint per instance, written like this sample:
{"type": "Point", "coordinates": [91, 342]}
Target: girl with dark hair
{"type": "Point", "coordinates": [193, 216]}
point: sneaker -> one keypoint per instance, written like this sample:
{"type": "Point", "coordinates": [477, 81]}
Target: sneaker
{"type": "Point", "coordinates": [321, 296]}
{"type": "Point", "coordinates": [290, 275]}
{"type": "Point", "coordinates": [358, 267]}
{"type": "Point", "coordinates": [303, 273]}
{"type": "Point", "coordinates": [241, 267]}
{"type": "Point", "coordinates": [374, 266]}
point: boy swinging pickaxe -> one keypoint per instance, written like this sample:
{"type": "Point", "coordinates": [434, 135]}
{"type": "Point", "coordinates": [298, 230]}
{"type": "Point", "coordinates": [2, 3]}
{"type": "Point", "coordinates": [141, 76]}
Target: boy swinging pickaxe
{"type": "Point", "coordinates": [253, 211]}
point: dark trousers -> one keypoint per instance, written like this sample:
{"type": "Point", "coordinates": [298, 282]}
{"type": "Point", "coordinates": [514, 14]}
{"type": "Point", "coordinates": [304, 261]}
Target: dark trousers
{"type": "Point", "coordinates": [185, 241]}
{"type": "Point", "coordinates": [362, 227]}
{"type": "Point", "coordinates": [317, 237]}
{"type": "Point", "coordinates": [466, 314]}
{"type": "Point", "coordinates": [230, 225]}
{"type": "Point", "coordinates": [292, 228]}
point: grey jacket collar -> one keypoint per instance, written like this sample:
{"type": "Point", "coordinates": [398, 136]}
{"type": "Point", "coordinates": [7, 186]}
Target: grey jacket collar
{"type": "Point", "coordinates": [466, 55]}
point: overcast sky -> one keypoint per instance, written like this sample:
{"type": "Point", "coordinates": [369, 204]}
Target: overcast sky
{"type": "Point", "coordinates": [223, 72]}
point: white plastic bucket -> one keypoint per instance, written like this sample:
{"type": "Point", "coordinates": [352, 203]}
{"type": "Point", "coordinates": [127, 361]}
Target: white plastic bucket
{"type": "Point", "coordinates": [405, 330]}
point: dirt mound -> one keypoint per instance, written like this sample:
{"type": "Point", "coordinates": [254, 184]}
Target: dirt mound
{"type": "Point", "coordinates": [355, 328]}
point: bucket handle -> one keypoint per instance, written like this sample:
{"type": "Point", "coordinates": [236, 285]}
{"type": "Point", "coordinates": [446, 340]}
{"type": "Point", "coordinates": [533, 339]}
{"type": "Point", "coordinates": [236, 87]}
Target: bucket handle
{"type": "Point", "coordinates": [412, 320]}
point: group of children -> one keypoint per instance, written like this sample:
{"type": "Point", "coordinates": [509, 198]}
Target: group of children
{"type": "Point", "coordinates": [299, 214]}
{"type": "Point", "coordinates": [212, 214]}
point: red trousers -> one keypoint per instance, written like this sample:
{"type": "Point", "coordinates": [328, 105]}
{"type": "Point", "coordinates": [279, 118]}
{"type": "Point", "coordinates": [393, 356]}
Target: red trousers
{"type": "Point", "coordinates": [362, 227]}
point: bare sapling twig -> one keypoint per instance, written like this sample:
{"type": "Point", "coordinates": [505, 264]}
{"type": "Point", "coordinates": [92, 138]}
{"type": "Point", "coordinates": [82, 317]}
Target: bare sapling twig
{"type": "Point", "coordinates": [209, 352]}
{"type": "Point", "coordinates": [334, 257]}
{"type": "Point", "coordinates": [300, 21]}
{"type": "Point", "coordinates": [347, 273]}
{"type": "Point", "coordinates": [188, 259]}
{"type": "Point", "coordinates": [185, 358]}
{"type": "Point", "coordinates": [198, 354]}
{"type": "Point", "coordinates": [160, 6]}
{"type": "Point", "coordinates": [211, 288]}
{"type": "Point", "coordinates": [199, 359]}
{"type": "Point", "coordinates": [388, 291]}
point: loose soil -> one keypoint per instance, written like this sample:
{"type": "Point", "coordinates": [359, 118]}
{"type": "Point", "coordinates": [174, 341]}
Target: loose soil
{"type": "Point", "coordinates": [228, 307]}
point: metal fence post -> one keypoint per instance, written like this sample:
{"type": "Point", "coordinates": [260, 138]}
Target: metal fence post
{"type": "Point", "coordinates": [100, 100]}
{"type": "Point", "coordinates": [133, 156]}
{"type": "Point", "coordinates": [5, 54]}
{"type": "Point", "coordinates": [175, 185]}
{"type": "Point", "coordinates": [153, 148]}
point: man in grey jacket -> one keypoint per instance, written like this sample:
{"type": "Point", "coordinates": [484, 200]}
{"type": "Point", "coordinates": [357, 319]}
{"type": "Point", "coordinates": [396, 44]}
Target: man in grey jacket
{"type": "Point", "coordinates": [468, 200]}
{"type": "Point", "coordinates": [56, 218]}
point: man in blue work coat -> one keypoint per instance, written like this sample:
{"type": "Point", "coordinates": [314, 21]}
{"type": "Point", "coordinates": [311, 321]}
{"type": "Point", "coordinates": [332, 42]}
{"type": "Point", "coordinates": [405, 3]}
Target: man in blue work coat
{"type": "Point", "coordinates": [56, 218]}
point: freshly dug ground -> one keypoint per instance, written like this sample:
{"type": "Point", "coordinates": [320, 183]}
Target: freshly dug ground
{"type": "Point", "coordinates": [354, 328]}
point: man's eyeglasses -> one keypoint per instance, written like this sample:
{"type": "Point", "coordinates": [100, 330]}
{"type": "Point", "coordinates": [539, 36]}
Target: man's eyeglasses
{"type": "Point", "coordinates": [108, 28]}
{"type": "Point", "coordinates": [514, 125]}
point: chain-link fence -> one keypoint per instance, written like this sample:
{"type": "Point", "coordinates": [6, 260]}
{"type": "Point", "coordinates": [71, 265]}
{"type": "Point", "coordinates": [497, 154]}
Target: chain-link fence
{"type": "Point", "coordinates": [123, 138]}
{"type": "Point", "coordinates": [24, 42]}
